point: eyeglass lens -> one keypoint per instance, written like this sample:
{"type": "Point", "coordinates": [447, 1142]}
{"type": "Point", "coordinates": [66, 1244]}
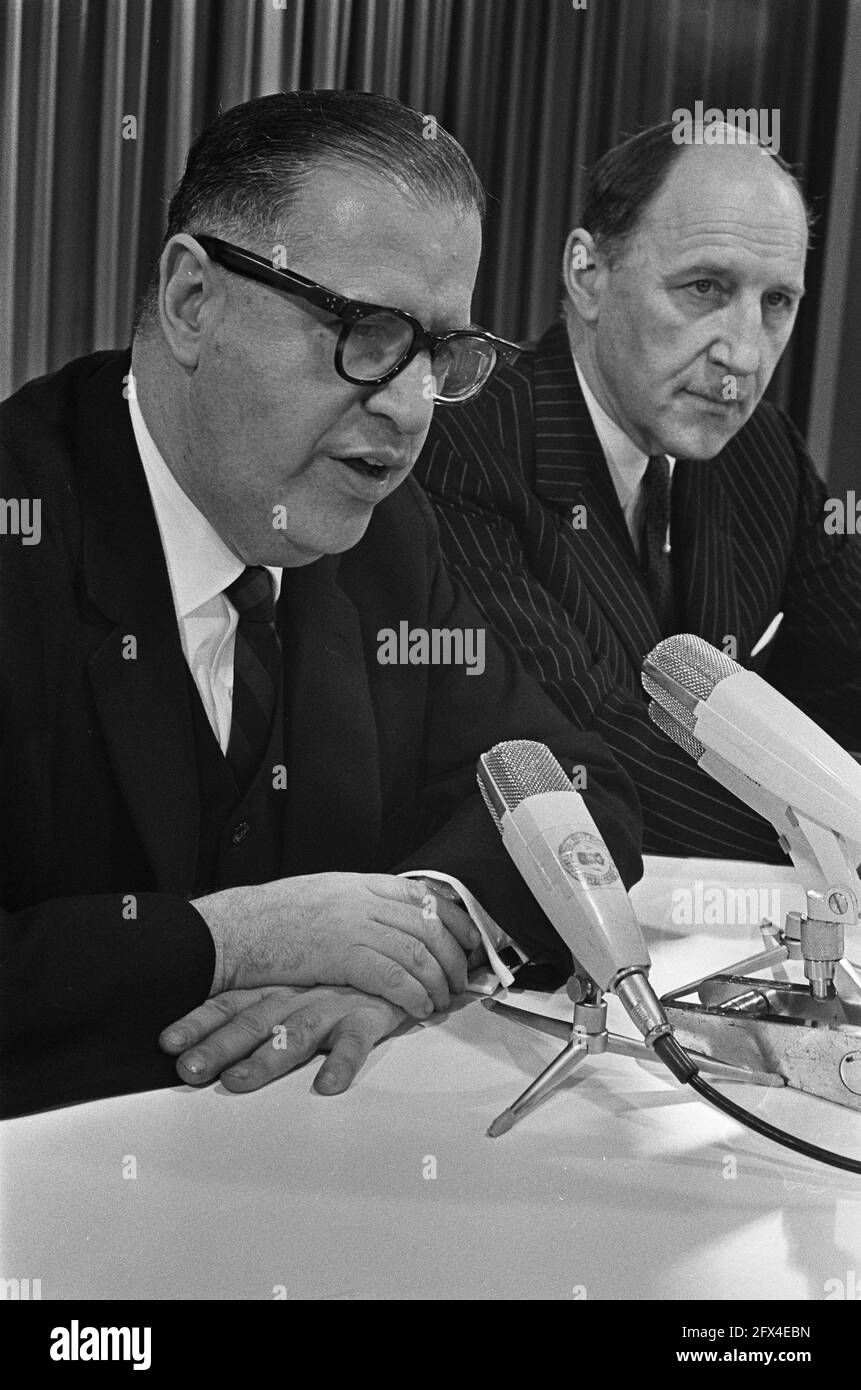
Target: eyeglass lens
{"type": "Point", "coordinates": [377, 342]}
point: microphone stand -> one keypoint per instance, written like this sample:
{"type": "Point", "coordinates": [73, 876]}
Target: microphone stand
{"type": "Point", "coordinates": [748, 1019]}
{"type": "Point", "coordinates": [588, 1036]}
{"type": "Point", "coordinates": [740, 1027]}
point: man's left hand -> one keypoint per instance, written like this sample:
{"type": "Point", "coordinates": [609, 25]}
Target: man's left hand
{"type": "Point", "coordinates": [249, 1037]}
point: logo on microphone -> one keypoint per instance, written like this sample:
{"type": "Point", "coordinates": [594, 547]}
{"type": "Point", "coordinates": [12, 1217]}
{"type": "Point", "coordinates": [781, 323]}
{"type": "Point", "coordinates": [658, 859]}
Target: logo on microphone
{"type": "Point", "coordinates": [586, 859]}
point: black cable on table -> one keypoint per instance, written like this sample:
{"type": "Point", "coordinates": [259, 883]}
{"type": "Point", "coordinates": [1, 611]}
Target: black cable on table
{"type": "Point", "coordinates": [684, 1069]}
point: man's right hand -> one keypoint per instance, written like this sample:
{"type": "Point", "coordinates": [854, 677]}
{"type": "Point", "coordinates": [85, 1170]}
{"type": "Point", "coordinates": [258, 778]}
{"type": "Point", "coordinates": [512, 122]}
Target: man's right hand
{"type": "Point", "coordinates": [387, 936]}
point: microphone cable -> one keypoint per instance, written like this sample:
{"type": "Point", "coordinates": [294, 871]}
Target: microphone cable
{"type": "Point", "coordinates": [673, 1055]}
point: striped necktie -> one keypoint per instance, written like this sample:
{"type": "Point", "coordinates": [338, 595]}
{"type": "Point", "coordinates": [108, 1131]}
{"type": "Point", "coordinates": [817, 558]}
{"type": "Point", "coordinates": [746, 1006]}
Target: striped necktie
{"type": "Point", "coordinates": [256, 672]}
{"type": "Point", "coordinates": [655, 551]}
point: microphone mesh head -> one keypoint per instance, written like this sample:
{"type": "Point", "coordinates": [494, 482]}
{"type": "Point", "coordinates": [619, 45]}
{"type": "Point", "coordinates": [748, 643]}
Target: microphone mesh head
{"type": "Point", "coordinates": [665, 701]}
{"type": "Point", "coordinates": [695, 664]}
{"type": "Point", "coordinates": [666, 722]}
{"type": "Point", "coordinates": [518, 769]}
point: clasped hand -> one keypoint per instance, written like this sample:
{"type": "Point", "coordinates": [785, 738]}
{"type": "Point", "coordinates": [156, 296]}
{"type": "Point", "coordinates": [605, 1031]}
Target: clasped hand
{"type": "Point", "coordinates": [324, 962]}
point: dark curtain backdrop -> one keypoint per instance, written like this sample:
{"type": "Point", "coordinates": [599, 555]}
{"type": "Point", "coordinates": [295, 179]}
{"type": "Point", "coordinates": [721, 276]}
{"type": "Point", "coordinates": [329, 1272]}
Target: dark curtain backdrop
{"type": "Point", "coordinates": [534, 89]}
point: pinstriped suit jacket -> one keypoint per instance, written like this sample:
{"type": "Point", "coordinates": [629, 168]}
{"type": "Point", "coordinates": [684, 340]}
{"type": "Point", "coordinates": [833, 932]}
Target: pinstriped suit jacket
{"type": "Point", "coordinates": [505, 473]}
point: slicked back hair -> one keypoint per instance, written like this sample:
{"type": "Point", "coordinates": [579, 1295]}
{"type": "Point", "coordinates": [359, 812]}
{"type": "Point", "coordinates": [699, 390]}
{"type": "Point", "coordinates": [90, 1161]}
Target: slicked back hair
{"type": "Point", "coordinates": [625, 180]}
{"type": "Point", "coordinates": [246, 170]}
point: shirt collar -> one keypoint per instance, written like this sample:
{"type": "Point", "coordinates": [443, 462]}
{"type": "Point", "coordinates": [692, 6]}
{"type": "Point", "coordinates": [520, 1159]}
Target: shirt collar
{"type": "Point", "coordinates": [199, 564]}
{"type": "Point", "coordinates": [626, 462]}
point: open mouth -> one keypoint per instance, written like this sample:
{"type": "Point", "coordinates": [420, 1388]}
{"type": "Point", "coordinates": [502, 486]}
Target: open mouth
{"type": "Point", "coordinates": [366, 467]}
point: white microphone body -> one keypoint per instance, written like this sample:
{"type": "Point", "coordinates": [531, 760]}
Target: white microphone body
{"type": "Point", "coordinates": [554, 842]}
{"type": "Point", "coordinates": [754, 728]}
{"type": "Point", "coordinates": [559, 851]}
{"type": "Point", "coordinates": [763, 749]}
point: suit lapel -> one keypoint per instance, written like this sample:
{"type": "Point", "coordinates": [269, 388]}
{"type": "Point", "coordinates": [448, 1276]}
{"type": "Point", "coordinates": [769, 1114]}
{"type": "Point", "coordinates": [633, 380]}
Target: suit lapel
{"type": "Point", "coordinates": [334, 798]}
{"type": "Point", "coordinates": [138, 670]}
{"type": "Point", "coordinates": [144, 703]}
{"type": "Point", "coordinates": [571, 471]}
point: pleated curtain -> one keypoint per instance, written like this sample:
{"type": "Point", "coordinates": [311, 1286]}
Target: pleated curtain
{"type": "Point", "coordinates": [101, 99]}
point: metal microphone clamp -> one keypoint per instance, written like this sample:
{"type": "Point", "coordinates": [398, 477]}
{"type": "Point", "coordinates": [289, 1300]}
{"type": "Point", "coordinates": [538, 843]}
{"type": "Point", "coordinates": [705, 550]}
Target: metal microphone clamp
{"type": "Point", "coordinates": [808, 1037]}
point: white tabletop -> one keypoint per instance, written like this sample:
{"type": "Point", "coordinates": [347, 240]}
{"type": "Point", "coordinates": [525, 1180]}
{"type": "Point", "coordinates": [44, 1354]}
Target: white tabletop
{"type": "Point", "coordinates": [622, 1185]}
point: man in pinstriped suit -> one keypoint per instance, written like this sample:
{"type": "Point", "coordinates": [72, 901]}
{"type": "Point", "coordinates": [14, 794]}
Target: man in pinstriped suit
{"type": "Point", "coordinates": [625, 479]}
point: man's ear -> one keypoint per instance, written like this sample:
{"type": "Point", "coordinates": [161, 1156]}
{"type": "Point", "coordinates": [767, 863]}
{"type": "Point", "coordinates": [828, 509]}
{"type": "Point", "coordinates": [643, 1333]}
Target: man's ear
{"type": "Point", "coordinates": [582, 271]}
{"type": "Point", "coordinates": [189, 290]}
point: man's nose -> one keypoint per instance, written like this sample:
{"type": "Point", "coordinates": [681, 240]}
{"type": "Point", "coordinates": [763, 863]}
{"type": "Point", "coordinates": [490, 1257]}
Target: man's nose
{"type": "Point", "coordinates": [738, 346]}
{"type": "Point", "coordinates": [407, 400]}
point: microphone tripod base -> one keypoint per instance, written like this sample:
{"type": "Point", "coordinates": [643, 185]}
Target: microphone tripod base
{"type": "Point", "coordinates": [589, 1035]}
{"type": "Point", "coordinates": [809, 1044]}
{"type": "Point", "coordinates": [808, 1041]}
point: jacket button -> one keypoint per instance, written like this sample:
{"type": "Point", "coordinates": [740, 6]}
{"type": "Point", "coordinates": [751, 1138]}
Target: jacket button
{"type": "Point", "coordinates": [240, 831]}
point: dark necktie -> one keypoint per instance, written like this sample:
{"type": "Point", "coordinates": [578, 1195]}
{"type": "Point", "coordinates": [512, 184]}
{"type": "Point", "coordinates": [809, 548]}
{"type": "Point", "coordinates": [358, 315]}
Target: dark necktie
{"type": "Point", "coordinates": [654, 553]}
{"type": "Point", "coordinates": [256, 671]}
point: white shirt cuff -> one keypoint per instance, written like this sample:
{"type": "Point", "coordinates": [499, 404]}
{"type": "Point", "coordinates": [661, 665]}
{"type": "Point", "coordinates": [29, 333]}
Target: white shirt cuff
{"type": "Point", "coordinates": [494, 939]}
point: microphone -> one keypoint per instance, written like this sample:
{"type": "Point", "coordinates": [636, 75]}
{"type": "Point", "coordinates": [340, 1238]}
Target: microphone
{"type": "Point", "coordinates": [760, 746]}
{"type": "Point", "coordinates": [715, 709]}
{"type": "Point", "coordinates": [548, 831]}
{"type": "Point", "coordinates": [557, 847]}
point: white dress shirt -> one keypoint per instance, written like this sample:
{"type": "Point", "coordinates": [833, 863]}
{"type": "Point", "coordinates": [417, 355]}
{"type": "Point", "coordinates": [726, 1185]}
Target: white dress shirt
{"type": "Point", "coordinates": [626, 462]}
{"type": "Point", "coordinates": [200, 566]}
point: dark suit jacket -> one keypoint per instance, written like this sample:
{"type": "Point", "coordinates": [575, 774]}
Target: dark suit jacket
{"type": "Point", "coordinates": [97, 764]}
{"type": "Point", "coordinates": [504, 473]}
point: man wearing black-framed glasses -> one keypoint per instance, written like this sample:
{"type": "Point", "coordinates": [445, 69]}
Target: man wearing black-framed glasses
{"type": "Point", "coordinates": [212, 782]}
{"type": "Point", "coordinates": [377, 342]}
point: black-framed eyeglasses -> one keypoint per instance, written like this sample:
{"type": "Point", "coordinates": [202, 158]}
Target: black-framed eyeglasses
{"type": "Point", "coordinates": [376, 342]}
